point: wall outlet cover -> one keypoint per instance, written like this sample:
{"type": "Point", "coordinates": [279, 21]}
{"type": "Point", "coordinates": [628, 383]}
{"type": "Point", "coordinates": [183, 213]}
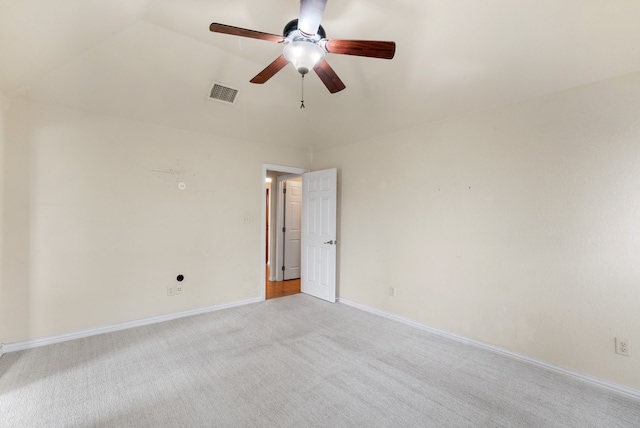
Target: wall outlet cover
{"type": "Point", "coordinates": [623, 346]}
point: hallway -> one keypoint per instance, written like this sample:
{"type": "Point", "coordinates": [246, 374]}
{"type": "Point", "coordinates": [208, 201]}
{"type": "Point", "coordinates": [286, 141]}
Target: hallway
{"type": "Point", "coordinates": [281, 288]}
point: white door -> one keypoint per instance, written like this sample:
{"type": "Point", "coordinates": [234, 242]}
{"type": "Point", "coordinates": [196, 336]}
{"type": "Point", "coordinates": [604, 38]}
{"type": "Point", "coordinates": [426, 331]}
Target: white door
{"type": "Point", "coordinates": [319, 196]}
{"type": "Point", "coordinates": [292, 229]}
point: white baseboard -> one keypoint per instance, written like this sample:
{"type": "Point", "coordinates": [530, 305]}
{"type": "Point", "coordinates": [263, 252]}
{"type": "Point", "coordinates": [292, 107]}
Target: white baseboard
{"type": "Point", "coordinates": [27, 344]}
{"type": "Point", "coordinates": [603, 383]}
{"type": "Point", "coordinates": [1, 350]}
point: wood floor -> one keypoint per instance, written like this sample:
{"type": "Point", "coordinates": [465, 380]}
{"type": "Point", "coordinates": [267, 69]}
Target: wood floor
{"type": "Point", "coordinates": [281, 288]}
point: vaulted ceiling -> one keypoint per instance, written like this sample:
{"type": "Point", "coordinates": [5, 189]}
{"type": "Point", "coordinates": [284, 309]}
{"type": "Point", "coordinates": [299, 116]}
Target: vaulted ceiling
{"type": "Point", "coordinates": [155, 61]}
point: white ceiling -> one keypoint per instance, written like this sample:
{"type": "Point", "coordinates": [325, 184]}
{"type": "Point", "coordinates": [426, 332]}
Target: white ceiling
{"type": "Point", "coordinates": [155, 60]}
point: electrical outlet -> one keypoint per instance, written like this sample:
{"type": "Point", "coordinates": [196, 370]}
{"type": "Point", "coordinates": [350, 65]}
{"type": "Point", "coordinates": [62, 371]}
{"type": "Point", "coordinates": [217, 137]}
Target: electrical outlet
{"type": "Point", "coordinates": [392, 291]}
{"type": "Point", "coordinates": [179, 289]}
{"type": "Point", "coordinates": [171, 290]}
{"type": "Point", "coordinates": [623, 347]}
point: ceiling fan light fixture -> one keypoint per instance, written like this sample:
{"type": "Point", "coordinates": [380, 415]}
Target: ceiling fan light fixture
{"type": "Point", "coordinates": [304, 55]}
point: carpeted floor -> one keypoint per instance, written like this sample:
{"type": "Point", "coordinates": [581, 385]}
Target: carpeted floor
{"type": "Point", "coordinates": [291, 362]}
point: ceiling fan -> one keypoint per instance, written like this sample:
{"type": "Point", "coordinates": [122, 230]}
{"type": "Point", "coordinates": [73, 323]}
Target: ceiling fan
{"type": "Point", "coordinates": [306, 46]}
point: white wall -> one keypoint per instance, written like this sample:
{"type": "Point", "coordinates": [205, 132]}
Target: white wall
{"type": "Point", "coordinates": [518, 227]}
{"type": "Point", "coordinates": [98, 228]}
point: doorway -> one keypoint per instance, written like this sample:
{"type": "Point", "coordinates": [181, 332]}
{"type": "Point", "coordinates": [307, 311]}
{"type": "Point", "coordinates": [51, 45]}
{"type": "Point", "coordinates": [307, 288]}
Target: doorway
{"type": "Point", "coordinates": [272, 253]}
{"type": "Point", "coordinates": [318, 230]}
{"type": "Point", "coordinates": [283, 260]}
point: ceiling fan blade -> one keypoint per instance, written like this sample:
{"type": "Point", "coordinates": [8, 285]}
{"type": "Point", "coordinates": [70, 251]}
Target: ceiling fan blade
{"type": "Point", "coordinates": [368, 48]}
{"type": "Point", "coordinates": [236, 31]}
{"type": "Point", "coordinates": [329, 77]}
{"type": "Point", "coordinates": [270, 70]}
{"type": "Point", "coordinates": [310, 15]}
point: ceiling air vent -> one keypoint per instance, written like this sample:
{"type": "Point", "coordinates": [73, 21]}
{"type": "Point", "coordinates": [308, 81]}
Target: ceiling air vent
{"type": "Point", "coordinates": [223, 94]}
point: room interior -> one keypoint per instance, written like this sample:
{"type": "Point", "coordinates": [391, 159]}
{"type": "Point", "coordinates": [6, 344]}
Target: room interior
{"type": "Point", "coordinates": [488, 173]}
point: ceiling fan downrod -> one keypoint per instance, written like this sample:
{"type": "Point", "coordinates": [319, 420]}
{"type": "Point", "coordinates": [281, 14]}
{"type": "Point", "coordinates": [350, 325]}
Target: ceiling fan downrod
{"type": "Point", "coordinates": [302, 96]}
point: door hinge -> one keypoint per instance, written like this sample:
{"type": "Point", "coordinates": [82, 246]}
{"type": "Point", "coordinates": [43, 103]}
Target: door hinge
{"type": "Point", "coordinates": [282, 268]}
{"type": "Point", "coordinates": [284, 229]}
{"type": "Point", "coordinates": [284, 190]}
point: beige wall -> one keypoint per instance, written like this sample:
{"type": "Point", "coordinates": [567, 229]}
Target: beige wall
{"type": "Point", "coordinates": [518, 227]}
{"type": "Point", "coordinates": [2, 171]}
{"type": "Point", "coordinates": [97, 227]}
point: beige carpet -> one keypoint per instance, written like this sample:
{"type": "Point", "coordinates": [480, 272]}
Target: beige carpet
{"type": "Point", "coordinates": [291, 362]}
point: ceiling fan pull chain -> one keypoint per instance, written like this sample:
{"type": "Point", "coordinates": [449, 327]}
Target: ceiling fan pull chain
{"type": "Point", "coordinates": [302, 105]}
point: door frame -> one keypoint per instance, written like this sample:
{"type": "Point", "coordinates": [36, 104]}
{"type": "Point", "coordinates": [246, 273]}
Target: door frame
{"type": "Point", "coordinates": [263, 208]}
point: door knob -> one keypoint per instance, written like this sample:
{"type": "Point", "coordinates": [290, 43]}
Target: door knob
{"type": "Point", "coordinates": [331, 242]}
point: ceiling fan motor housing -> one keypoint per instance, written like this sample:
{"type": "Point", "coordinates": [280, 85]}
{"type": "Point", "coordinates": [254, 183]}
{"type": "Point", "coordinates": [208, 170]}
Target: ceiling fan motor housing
{"type": "Point", "coordinates": [291, 32]}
